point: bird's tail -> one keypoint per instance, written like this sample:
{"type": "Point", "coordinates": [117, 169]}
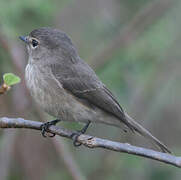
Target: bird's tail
{"type": "Point", "coordinates": [142, 131]}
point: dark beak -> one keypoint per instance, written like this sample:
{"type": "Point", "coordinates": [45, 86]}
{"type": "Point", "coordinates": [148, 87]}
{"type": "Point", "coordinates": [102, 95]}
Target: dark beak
{"type": "Point", "coordinates": [24, 38]}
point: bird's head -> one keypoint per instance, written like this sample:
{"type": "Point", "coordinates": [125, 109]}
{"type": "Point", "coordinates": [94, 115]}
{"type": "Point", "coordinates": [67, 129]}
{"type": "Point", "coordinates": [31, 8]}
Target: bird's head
{"type": "Point", "coordinates": [45, 43]}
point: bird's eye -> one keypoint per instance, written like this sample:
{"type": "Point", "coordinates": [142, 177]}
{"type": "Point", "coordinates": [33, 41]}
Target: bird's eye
{"type": "Point", "coordinates": [34, 43]}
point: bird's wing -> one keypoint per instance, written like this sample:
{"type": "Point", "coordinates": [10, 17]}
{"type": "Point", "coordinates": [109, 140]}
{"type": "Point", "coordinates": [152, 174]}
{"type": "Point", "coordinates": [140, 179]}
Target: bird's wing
{"type": "Point", "coordinates": [81, 80]}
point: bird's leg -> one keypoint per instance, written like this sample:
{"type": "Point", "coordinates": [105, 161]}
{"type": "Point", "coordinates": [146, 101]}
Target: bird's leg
{"type": "Point", "coordinates": [45, 127]}
{"type": "Point", "coordinates": [75, 135]}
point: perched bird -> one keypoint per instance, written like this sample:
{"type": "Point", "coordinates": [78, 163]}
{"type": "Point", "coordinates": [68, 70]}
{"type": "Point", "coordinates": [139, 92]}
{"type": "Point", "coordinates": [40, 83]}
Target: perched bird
{"type": "Point", "coordinates": [67, 88]}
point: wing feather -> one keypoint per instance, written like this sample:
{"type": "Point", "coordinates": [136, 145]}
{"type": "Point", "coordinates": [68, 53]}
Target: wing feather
{"type": "Point", "coordinates": [81, 80]}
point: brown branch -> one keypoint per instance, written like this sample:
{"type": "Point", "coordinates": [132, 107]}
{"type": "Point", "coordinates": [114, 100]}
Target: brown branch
{"type": "Point", "coordinates": [94, 142]}
{"type": "Point", "coordinates": [4, 88]}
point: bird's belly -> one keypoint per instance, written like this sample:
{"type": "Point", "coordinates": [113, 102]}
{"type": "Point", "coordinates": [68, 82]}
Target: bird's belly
{"type": "Point", "coordinates": [58, 102]}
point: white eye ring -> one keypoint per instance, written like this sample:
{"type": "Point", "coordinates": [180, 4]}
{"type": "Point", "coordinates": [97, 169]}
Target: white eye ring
{"type": "Point", "coordinates": [34, 43]}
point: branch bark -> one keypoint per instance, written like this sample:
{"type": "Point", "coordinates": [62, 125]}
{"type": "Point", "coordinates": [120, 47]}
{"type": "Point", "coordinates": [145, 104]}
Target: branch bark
{"type": "Point", "coordinates": [93, 142]}
{"type": "Point", "coordinates": [4, 88]}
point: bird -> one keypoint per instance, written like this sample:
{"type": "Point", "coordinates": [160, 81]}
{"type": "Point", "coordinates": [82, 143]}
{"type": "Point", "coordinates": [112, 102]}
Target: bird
{"type": "Point", "coordinates": [67, 88]}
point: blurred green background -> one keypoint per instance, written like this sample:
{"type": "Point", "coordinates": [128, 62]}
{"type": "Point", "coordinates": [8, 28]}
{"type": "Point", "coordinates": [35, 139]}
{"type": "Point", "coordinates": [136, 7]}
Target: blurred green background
{"type": "Point", "coordinates": [134, 47]}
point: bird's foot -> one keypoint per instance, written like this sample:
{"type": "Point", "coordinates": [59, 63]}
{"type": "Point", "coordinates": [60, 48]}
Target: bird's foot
{"type": "Point", "coordinates": [75, 135]}
{"type": "Point", "coordinates": [45, 127]}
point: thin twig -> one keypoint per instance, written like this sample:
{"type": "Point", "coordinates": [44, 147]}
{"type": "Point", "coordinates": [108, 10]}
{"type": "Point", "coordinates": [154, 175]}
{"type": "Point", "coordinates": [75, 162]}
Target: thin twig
{"type": "Point", "coordinates": [94, 142]}
{"type": "Point", "coordinates": [4, 88]}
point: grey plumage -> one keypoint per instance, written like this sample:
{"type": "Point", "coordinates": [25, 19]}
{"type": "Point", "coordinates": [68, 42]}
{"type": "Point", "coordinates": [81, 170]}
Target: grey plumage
{"type": "Point", "coordinates": [67, 88]}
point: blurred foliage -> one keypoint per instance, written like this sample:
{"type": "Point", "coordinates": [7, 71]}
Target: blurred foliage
{"type": "Point", "coordinates": [21, 16]}
{"type": "Point", "coordinates": [11, 79]}
{"type": "Point", "coordinates": [144, 75]}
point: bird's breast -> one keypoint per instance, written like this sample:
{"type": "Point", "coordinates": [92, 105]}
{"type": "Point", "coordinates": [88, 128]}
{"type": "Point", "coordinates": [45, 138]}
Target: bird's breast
{"type": "Point", "coordinates": [52, 97]}
{"type": "Point", "coordinates": [58, 102]}
{"type": "Point", "coordinates": [35, 82]}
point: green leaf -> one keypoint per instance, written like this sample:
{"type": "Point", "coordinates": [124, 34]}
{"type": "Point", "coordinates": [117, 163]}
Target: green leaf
{"type": "Point", "coordinates": [11, 79]}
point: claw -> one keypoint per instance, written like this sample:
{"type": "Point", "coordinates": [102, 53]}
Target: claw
{"type": "Point", "coordinates": [45, 127]}
{"type": "Point", "coordinates": [75, 135]}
